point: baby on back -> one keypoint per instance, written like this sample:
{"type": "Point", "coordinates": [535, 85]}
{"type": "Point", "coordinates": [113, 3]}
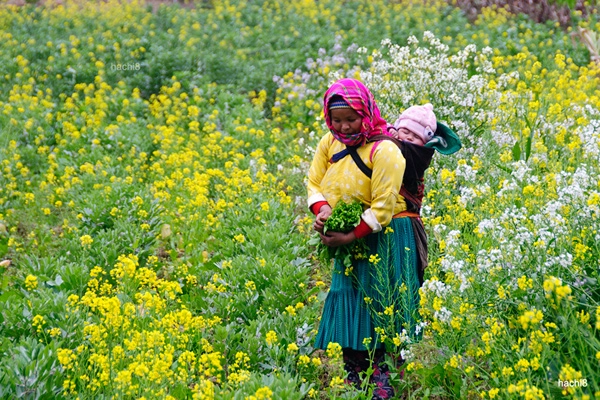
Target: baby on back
{"type": "Point", "coordinates": [417, 125]}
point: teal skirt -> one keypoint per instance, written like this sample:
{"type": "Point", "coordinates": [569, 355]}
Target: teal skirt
{"type": "Point", "coordinates": [381, 291]}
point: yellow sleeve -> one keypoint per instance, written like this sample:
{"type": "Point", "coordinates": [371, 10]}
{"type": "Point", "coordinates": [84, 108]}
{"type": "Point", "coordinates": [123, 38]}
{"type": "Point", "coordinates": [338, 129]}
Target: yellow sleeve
{"type": "Point", "coordinates": [317, 170]}
{"type": "Point", "coordinates": [388, 172]}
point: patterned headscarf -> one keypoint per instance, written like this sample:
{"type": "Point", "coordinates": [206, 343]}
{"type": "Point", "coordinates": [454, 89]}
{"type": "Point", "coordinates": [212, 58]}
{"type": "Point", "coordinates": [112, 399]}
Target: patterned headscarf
{"type": "Point", "coordinates": [360, 99]}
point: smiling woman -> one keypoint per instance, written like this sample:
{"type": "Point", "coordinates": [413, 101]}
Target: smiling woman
{"type": "Point", "coordinates": [361, 292]}
{"type": "Point", "coordinates": [344, 119]}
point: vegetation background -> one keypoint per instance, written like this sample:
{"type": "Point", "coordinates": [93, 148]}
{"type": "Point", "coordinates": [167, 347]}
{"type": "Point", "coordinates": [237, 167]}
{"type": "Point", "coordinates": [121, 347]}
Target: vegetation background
{"type": "Point", "coordinates": [153, 226]}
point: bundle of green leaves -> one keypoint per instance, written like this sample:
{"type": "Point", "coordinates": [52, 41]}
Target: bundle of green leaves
{"type": "Point", "coordinates": [344, 217]}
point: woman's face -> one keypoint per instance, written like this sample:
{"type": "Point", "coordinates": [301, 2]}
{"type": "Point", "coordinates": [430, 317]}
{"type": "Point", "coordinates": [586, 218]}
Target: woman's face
{"type": "Point", "coordinates": [346, 121]}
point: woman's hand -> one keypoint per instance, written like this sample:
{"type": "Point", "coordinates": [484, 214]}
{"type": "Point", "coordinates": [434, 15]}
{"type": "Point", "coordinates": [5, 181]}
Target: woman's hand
{"type": "Point", "coordinates": [336, 239]}
{"type": "Point", "coordinates": [324, 213]}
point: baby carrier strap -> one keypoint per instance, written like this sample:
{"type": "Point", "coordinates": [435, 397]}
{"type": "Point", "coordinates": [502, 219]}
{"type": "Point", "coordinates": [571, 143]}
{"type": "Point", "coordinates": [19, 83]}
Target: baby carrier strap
{"type": "Point", "coordinates": [417, 159]}
{"type": "Point", "coordinates": [377, 138]}
{"type": "Point", "coordinates": [359, 162]}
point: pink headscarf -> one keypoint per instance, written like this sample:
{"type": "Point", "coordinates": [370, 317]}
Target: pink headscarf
{"type": "Point", "coordinates": [360, 99]}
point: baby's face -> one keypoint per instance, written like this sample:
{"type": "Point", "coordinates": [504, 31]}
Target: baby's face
{"type": "Point", "coordinates": [407, 136]}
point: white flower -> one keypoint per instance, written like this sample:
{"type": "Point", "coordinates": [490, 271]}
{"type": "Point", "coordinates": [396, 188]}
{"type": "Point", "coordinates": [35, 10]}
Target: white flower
{"type": "Point", "coordinates": [443, 315]}
{"type": "Point", "coordinates": [440, 289]}
{"type": "Point", "coordinates": [412, 40]}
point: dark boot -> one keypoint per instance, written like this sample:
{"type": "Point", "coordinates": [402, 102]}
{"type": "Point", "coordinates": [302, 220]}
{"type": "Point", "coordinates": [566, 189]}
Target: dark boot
{"type": "Point", "coordinates": [381, 378]}
{"type": "Point", "coordinates": [355, 362]}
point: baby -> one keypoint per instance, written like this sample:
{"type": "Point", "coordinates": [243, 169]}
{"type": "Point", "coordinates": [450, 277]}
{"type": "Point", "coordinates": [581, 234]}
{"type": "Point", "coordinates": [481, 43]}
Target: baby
{"type": "Point", "coordinates": [417, 125]}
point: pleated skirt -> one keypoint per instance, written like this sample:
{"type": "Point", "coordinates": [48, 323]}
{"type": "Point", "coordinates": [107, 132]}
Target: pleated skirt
{"type": "Point", "coordinates": [382, 291]}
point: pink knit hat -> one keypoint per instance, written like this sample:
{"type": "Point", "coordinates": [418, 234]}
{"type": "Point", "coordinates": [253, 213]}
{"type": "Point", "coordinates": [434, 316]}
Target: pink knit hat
{"type": "Point", "coordinates": [420, 120]}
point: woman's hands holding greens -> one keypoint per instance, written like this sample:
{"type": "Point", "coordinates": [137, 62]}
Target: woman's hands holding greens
{"type": "Point", "coordinates": [322, 216]}
{"type": "Point", "coordinates": [337, 239]}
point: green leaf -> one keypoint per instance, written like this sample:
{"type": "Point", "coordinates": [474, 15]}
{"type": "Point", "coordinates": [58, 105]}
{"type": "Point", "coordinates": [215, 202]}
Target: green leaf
{"type": "Point", "coordinates": [516, 151]}
{"type": "Point", "coordinates": [528, 146]}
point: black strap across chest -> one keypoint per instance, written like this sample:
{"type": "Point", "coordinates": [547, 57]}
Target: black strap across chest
{"type": "Point", "coordinates": [417, 159]}
{"type": "Point", "coordinates": [359, 162]}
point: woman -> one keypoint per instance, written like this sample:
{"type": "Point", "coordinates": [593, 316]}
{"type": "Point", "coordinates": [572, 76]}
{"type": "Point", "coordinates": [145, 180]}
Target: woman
{"type": "Point", "coordinates": [382, 290]}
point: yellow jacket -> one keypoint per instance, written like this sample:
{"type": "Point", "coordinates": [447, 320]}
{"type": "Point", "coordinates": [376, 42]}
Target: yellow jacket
{"type": "Point", "coordinates": [343, 180]}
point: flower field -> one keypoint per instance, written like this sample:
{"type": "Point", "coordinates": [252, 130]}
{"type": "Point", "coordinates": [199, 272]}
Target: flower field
{"type": "Point", "coordinates": [153, 222]}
